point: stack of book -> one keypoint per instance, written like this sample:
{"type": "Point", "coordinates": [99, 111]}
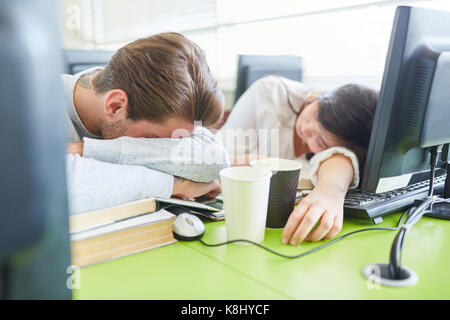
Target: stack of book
{"type": "Point", "coordinates": [114, 232]}
{"type": "Point", "coordinates": [110, 233]}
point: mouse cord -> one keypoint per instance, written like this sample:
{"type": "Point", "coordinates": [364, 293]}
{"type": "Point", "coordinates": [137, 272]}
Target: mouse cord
{"type": "Point", "coordinates": [310, 251]}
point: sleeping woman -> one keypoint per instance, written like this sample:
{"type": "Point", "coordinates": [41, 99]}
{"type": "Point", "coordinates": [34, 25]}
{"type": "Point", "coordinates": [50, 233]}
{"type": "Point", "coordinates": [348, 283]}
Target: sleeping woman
{"type": "Point", "coordinates": [328, 132]}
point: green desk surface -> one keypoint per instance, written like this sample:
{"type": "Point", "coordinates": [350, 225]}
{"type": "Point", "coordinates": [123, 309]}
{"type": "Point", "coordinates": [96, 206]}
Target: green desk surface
{"type": "Point", "coordinates": [190, 270]}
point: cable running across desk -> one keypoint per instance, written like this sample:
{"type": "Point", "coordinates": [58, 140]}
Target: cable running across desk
{"type": "Point", "coordinates": [312, 250]}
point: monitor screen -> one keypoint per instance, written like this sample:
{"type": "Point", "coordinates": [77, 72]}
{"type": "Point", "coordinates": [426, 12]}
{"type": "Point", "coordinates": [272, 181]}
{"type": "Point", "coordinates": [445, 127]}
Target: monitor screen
{"type": "Point", "coordinates": [409, 102]}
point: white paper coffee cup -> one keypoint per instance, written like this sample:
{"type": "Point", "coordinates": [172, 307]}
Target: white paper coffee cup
{"type": "Point", "coordinates": [245, 193]}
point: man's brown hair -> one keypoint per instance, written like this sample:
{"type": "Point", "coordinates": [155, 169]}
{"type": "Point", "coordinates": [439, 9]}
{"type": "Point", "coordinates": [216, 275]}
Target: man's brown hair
{"type": "Point", "coordinates": [164, 75]}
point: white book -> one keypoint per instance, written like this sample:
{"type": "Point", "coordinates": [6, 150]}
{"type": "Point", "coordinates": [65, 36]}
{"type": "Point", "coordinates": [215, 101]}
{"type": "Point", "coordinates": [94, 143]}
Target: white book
{"type": "Point", "coordinates": [151, 218]}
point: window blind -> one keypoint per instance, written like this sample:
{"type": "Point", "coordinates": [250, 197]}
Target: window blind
{"type": "Point", "coordinates": [121, 21]}
{"type": "Point", "coordinates": [239, 11]}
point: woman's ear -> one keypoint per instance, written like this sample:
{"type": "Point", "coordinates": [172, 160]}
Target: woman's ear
{"type": "Point", "coordinates": [116, 104]}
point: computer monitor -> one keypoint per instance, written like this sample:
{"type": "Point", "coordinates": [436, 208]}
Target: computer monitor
{"type": "Point", "coordinates": [34, 233]}
{"type": "Point", "coordinates": [413, 111]}
{"type": "Point", "coordinates": [253, 67]}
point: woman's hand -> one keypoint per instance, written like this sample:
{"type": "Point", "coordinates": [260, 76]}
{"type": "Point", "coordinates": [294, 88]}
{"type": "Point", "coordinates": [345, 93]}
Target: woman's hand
{"type": "Point", "coordinates": [184, 188]}
{"type": "Point", "coordinates": [322, 204]}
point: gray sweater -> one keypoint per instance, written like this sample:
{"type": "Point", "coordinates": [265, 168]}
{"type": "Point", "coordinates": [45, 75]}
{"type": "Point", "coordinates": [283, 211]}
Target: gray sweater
{"type": "Point", "coordinates": [125, 169]}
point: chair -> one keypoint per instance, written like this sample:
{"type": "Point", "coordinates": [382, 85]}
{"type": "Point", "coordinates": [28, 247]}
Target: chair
{"type": "Point", "coordinates": [79, 60]}
{"type": "Point", "coordinates": [254, 67]}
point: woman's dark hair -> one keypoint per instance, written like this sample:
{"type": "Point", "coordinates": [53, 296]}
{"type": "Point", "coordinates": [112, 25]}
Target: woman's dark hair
{"type": "Point", "coordinates": [348, 113]}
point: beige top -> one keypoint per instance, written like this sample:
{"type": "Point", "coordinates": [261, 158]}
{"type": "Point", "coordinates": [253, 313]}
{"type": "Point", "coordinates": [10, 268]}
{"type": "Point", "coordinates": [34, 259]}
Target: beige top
{"type": "Point", "coordinates": [264, 115]}
{"type": "Point", "coordinates": [262, 123]}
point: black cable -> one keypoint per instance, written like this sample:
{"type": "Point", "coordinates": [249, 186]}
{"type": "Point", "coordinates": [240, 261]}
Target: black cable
{"type": "Point", "coordinates": [310, 251]}
{"type": "Point", "coordinates": [395, 257]}
{"type": "Point", "coordinates": [413, 216]}
{"type": "Point", "coordinates": [433, 160]}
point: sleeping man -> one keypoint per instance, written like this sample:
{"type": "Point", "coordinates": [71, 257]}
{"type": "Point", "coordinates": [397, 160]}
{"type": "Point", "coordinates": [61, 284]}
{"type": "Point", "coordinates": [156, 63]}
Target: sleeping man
{"type": "Point", "coordinates": [137, 128]}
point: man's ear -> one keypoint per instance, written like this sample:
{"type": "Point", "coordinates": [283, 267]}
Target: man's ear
{"type": "Point", "coordinates": [116, 104]}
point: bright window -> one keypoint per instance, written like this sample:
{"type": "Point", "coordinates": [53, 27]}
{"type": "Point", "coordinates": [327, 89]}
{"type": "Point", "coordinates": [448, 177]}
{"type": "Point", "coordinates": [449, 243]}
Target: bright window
{"type": "Point", "coordinates": [340, 41]}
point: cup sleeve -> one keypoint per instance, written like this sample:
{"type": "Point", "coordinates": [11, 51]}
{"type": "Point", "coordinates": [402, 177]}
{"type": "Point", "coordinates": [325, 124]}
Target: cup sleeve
{"type": "Point", "coordinates": [318, 158]}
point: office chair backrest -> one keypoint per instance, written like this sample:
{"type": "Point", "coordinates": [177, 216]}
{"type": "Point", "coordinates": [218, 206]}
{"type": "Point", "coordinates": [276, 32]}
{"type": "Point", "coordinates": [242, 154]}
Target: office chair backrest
{"type": "Point", "coordinates": [253, 67]}
{"type": "Point", "coordinates": [79, 60]}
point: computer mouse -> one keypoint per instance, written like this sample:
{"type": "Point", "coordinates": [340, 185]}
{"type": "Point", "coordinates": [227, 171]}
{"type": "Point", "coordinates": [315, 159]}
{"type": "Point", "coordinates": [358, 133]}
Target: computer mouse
{"type": "Point", "coordinates": [188, 227]}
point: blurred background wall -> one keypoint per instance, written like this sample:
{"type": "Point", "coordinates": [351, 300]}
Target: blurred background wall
{"type": "Point", "coordinates": [340, 41]}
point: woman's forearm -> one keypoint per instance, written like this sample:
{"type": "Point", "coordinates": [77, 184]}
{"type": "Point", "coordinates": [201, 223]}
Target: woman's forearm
{"type": "Point", "coordinates": [335, 172]}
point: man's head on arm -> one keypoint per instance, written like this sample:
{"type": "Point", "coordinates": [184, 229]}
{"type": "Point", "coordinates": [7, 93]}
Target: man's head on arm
{"type": "Point", "coordinates": [150, 88]}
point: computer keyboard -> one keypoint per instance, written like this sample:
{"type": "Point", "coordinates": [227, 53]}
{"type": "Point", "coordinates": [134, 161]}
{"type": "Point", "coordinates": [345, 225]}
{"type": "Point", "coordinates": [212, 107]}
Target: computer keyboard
{"type": "Point", "coordinates": [367, 205]}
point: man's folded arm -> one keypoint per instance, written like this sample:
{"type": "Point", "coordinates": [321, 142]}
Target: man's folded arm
{"type": "Point", "coordinates": [94, 184]}
{"type": "Point", "coordinates": [198, 157]}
